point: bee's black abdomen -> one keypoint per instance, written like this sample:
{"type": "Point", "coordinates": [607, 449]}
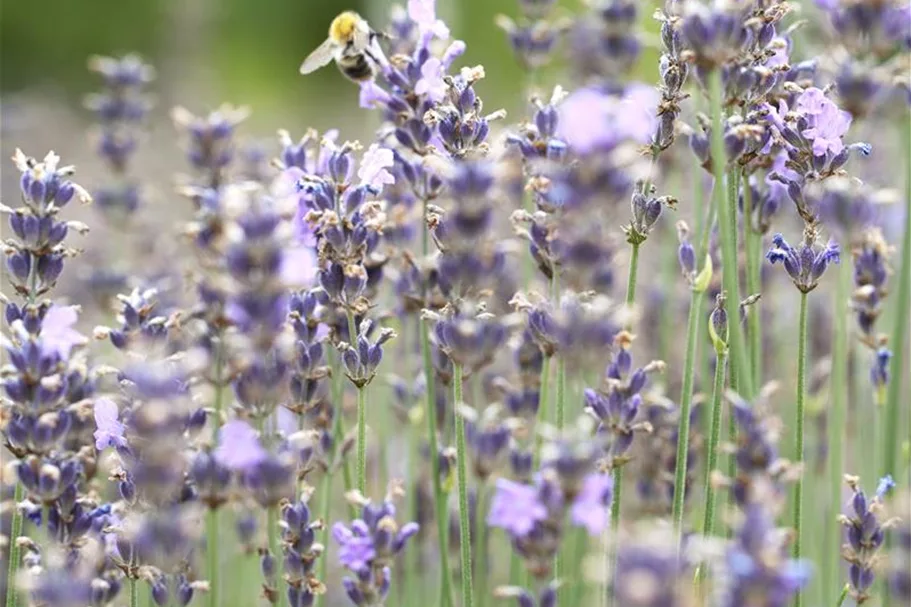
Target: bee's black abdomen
{"type": "Point", "coordinates": [356, 68]}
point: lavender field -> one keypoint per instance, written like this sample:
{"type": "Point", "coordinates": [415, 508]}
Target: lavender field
{"type": "Point", "coordinates": [642, 341]}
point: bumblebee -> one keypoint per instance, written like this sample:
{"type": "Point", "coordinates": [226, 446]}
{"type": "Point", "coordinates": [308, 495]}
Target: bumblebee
{"type": "Point", "coordinates": [354, 46]}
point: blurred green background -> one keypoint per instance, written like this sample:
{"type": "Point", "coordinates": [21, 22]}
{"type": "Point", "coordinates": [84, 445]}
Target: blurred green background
{"type": "Point", "coordinates": [239, 51]}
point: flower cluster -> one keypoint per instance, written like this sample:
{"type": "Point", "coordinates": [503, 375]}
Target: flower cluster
{"type": "Point", "coordinates": [368, 547]}
{"type": "Point", "coordinates": [866, 534]}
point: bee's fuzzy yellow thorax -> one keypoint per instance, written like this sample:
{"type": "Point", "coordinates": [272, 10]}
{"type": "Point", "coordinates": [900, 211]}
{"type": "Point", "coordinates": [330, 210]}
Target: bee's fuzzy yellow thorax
{"type": "Point", "coordinates": [343, 26]}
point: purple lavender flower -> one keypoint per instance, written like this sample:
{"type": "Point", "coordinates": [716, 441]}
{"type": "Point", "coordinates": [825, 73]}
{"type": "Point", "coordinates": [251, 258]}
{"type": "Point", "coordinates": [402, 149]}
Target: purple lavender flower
{"type": "Point", "coordinates": [591, 120]}
{"type": "Point", "coordinates": [757, 569]}
{"type": "Point", "coordinates": [369, 546]}
{"type": "Point", "coordinates": [826, 124]}
{"type": "Point", "coordinates": [238, 446]}
{"type": "Point", "coordinates": [110, 429]}
{"type": "Point", "coordinates": [516, 507]}
{"type": "Point", "coordinates": [590, 508]}
{"type": "Point", "coordinates": [807, 263]}
{"type": "Point", "coordinates": [356, 546]}
{"type": "Point", "coordinates": [423, 13]}
{"type": "Point", "coordinates": [57, 332]}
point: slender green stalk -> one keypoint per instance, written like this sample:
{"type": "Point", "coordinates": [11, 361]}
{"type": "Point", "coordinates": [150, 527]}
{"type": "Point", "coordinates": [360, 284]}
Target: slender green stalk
{"type": "Point", "coordinates": [212, 563]}
{"type": "Point", "coordinates": [686, 400]}
{"type": "Point", "coordinates": [275, 551]}
{"type": "Point", "coordinates": [727, 225]}
{"type": "Point", "coordinates": [439, 497]}
{"type": "Point", "coordinates": [836, 429]}
{"type": "Point", "coordinates": [338, 431]}
{"type": "Point", "coordinates": [15, 532]}
{"type": "Point", "coordinates": [461, 467]}
{"type": "Point", "coordinates": [753, 246]}
{"type": "Point", "coordinates": [618, 471]}
{"type": "Point", "coordinates": [633, 271]}
{"type": "Point", "coordinates": [561, 392]}
{"type": "Point", "coordinates": [481, 543]}
{"type": "Point", "coordinates": [560, 406]}
{"type": "Point", "coordinates": [543, 405]}
{"type": "Point", "coordinates": [708, 524]}
{"type": "Point", "coordinates": [134, 593]}
{"type": "Point", "coordinates": [212, 526]}
{"type": "Point", "coordinates": [362, 440]}
{"type": "Point", "coordinates": [361, 417]}
{"type": "Point", "coordinates": [615, 528]}
{"type": "Point", "coordinates": [799, 455]}
{"type": "Point", "coordinates": [899, 339]}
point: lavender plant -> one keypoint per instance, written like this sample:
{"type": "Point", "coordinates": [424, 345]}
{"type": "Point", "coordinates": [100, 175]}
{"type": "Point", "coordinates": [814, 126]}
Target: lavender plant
{"type": "Point", "coordinates": [243, 429]}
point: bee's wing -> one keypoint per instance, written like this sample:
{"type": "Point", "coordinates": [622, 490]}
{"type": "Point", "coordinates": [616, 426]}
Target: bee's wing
{"type": "Point", "coordinates": [322, 55]}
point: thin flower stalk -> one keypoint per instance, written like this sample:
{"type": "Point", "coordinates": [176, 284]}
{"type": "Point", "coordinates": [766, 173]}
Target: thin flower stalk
{"type": "Point", "coordinates": [753, 245]}
{"type": "Point", "coordinates": [836, 429]}
{"type": "Point", "coordinates": [440, 497]}
{"type": "Point", "coordinates": [213, 565]}
{"type": "Point", "coordinates": [727, 228]}
{"type": "Point", "coordinates": [686, 400]}
{"type": "Point", "coordinates": [799, 428]}
{"type": "Point", "coordinates": [899, 338]}
{"type": "Point", "coordinates": [462, 479]}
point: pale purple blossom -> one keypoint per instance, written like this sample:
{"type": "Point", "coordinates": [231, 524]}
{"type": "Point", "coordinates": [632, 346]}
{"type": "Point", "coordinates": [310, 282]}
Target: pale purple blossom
{"type": "Point", "coordinates": [356, 548]}
{"type": "Point", "coordinates": [299, 266]}
{"type": "Point", "coordinates": [515, 507]}
{"type": "Point", "coordinates": [238, 446]}
{"type": "Point", "coordinates": [424, 14]}
{"type": "Point", "coordinates": [57, 332]}
{"type": "Point", "coordinates": [431, 82]}
{"type": "Point", "coordinates": [826, 123]}
{"type": "Point", "coordinates": [590, 119]}
{"type": "Point", "coordinates": [109, 429]}
{"type": "Point", "coordinates": [372, 171]}
{"type": "Point", "coordinates": [590, 507]}
{"type": "Point", "coordinates": [372, 94]}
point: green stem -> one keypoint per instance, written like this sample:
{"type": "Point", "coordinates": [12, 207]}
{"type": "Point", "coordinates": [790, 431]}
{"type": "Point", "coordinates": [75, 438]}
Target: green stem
{"type": "Point", "coordinates": [362, 440]}
{"type": "Point", "coordinates": [481, 544]}
{"type": "Point", "coordinates": [753, 246]}
{"type": "Point", "coordinates": [898, 369]}
{"type": "Point", "coordinates": [633, 271]}
{"type": "Point", "coordinates": [560, 406]}
{"type": "Point", "coordinates": [439, 497]}
{"type": "Point", "coordinates": [461, 467]}
{"type": "Point", "coordinates": [338, 432]}
{"type": "Point", "coordinates": [361, 417]}
{"type": "Point", "coordinates": [727, 218]}
{"type": "Point", "coordinates": [15, 532]}
{"type": "Point", "coordinates": [615, 528]}
{"type": "Point", "coordinates": [708, 524]}
{"type": "Point", "coordinates": [212, 561]}
{"type": "Point", "coordinates": [836, 428]}
{"type": "Point", "coordinates": [543, 406]}
{"type": "Point", "coordinates": [799, 455]}
{"type": "Point", "coordinates": [275, 551]}
{"type": "Point", "coordinates": [618, 472]}
{"type": "Point", "coordinates": [686, 400]}
{"type": "Point", "coordinates": [134, 593]}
